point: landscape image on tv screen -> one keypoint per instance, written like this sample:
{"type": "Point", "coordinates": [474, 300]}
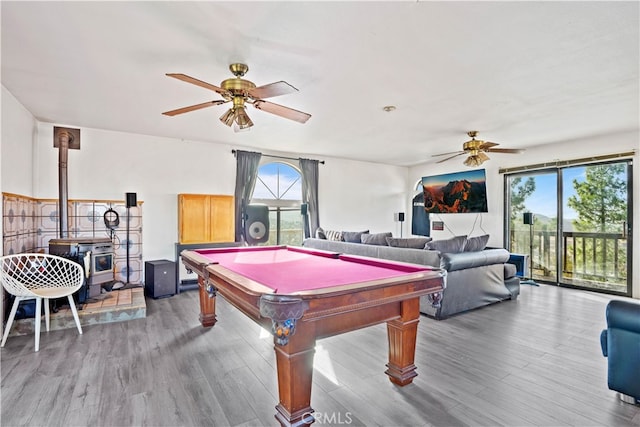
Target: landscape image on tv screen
{"type": "Point", "coordinates": [459, 192]}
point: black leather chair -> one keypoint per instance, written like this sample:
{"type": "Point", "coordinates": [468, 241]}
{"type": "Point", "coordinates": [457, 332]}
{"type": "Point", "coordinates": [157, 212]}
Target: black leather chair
{"type": "Point", "coordinates": [621, 346]}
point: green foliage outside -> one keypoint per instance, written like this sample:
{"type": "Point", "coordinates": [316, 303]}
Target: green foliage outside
{"type": "Point", "coordinates": [601, 199]}
{"type": "Point", "coordinates": [519, 192]}
{"type": "Point", "coordinates": [601, 204]}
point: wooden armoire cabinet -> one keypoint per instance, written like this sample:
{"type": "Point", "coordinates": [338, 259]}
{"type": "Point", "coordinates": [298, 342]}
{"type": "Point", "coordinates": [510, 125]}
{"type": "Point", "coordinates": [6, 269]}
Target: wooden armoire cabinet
{"type": "Point", "coordinates": [204, 218]}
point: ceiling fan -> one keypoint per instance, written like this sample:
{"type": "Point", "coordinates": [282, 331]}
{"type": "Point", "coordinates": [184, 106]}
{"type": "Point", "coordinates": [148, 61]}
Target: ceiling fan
{"type": "Point", "coordinates": [476, 149]}
{"type": "Point", "coordinates": [241, 92]}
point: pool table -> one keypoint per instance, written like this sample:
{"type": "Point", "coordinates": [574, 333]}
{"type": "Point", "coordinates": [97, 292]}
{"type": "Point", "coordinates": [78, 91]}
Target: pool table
{"type": "Point", "coordinates": [302, 295]}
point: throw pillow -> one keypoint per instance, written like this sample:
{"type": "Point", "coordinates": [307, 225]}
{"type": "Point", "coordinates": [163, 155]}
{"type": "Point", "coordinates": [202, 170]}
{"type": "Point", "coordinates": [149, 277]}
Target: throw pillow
{"type": "Point", "coordinates": [379, 239]}
{"type": "Point", "coordinates": [333, 235]}
{"type": "Point", "coordinates": [408, 242]}
{"type": "Point", "coordinates": [475, 244]}
{"type": "Point", "coordinates": [454, 245]}
{"type": "Point", "coordinates": [320, 234]}
{"type": "Point", "coordinates": [353, 236]}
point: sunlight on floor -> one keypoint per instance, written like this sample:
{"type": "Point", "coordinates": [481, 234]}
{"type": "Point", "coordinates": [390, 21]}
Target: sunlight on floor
{"type": "Point", "coordinates": [322, 363]}
{"type": "Point", "coordinates": [321, 360]}
{"type": "Point", "coordinates": [264, 333]}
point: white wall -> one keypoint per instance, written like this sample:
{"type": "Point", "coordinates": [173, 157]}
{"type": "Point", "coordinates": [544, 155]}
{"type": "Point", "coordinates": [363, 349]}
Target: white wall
{"type": "Point", "coordinates": [353, 195]}
{"type": "Point", "coordinates": [109, 164]}
{"type": "Point", "coordinates": [18, 128]}
{"type": "Point", "coordinates": [492, 222]}
{"type": "Point", "coordinates": [356, 196]}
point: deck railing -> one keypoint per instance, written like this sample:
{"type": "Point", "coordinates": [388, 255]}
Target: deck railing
{"type": "Point", "coordinates": [596, 256]}
{"type": "Point", "coordinates": [592, 257]}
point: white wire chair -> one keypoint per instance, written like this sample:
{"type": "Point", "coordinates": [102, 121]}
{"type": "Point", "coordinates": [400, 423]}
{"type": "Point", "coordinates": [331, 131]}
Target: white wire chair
{"type": "Point", "coordinates": [40, 276]}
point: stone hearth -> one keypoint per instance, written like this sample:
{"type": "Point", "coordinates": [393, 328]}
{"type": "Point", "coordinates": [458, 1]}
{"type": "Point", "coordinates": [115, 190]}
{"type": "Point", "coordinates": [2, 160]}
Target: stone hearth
{"type": "Point", "coordinates": [115, 306]}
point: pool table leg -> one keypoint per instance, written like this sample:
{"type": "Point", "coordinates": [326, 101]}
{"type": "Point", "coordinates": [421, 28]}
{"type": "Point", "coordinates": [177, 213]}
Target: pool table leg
{"type": "Point", "coordinates": [207, 305]}
{"type": "Point", "coordinates": [402, 333]}
{"type": "Point", "coordinates": [295, 373]}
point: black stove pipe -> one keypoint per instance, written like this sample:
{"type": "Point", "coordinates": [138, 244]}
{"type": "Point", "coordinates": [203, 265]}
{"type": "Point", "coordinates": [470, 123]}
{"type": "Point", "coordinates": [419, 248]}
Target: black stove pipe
{"type": "Point", "coordinates": [64, 139]}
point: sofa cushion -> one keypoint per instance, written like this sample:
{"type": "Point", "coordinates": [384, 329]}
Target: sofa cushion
{"type": "Point", "coordinates": [415, 256]}
{"type": "Point", "coordinates": [408, 242]}
{"type": "Point", "coordinates": [334, 235]}
{"type": "Point", "coordinates": [342, 247]}
{"type": "Point", "coordinates": [379, 239]}
{"type": "Point", "coordinates": [410, 255]}
{"type": "Point", "coordinates": [463, 260]}
{"type": "Point", "coordinates": [353, 236]}
{"type": "Point", "coordinates": [454, 245]}
{"type": "Point", "coordinates": [475, 244]}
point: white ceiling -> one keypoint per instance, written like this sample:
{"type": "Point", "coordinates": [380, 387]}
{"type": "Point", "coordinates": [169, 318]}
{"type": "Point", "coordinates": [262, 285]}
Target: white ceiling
{"type": "Point", "coordinates": [521, 73]}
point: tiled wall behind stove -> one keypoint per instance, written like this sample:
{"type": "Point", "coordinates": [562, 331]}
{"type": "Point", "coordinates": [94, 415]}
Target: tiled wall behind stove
{"type": "Point", "coordinates": [30, 223]}
{"type": "Point", "coordinates": [19, 229]}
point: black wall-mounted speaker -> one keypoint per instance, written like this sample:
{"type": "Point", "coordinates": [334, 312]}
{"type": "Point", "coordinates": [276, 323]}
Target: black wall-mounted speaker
{"type": "Point", "coordinates": [304, 209]}
{"type": "Point", "coordinates": [131, 200]}
{"type": "Point", "coordinates": [256, 223]}
{"type": "Point", "coordinates": [527, 218]}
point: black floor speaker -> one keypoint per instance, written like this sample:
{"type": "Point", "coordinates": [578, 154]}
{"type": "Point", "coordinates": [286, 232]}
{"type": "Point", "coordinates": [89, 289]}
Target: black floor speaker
{"type": "Point", "coordinates": [160, 278]}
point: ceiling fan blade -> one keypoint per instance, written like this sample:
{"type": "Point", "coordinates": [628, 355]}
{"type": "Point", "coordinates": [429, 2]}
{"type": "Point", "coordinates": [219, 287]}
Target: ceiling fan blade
{"type": "Point", "coordinates": [448, 158]}
{"type": "Point", "coordinates": [487, 144]}
{"type": "Point", "coordinates": [282, 111]}
{"type": "Point", "coordinates": [200, 83]}
{"type": "Point", "coordinates": [504, 150]}
{"type": "Point", "coordinates": [446, 154]}
{"type": "Point", "coordinates": [193, 107]}
{"type": "Point", "coordinates": [272, 89]}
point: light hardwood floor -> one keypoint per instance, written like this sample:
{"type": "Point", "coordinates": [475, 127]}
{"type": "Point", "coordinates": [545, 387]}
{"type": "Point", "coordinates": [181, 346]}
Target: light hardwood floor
{"type": "Point", "coordinates": [531, 362]}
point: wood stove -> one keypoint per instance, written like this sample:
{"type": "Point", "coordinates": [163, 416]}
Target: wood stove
{"type": "Point", "coordinates": [102, 258]}
{"type": "Point", "coordinates": [101, 265]}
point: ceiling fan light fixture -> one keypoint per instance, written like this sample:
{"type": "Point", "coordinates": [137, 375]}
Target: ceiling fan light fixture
{"type": "Point", "coordinates": [228, 116]}
{"type": "Point", "coordinates": [242, 119]}
{"type": "Point", "coordinates": [473, 161]}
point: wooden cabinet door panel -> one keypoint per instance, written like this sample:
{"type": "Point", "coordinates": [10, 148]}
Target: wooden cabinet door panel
{"type": "Point", "coordinates": [205, 218]}
{"type": "Point", "coordinates": [222, 216]}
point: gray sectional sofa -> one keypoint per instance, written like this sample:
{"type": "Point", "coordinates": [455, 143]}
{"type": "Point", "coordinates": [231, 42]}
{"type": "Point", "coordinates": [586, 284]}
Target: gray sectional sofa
{"type": "Point", "coordinates": [474, 279]}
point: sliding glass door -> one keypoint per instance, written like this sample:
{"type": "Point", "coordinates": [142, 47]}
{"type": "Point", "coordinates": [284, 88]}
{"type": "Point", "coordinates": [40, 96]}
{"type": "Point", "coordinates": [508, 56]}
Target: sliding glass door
{"type": "Point", "coordinates": [573, 225]}
{"type": "Point", "coordinates": [595, 212]}
{"type": "Point", "coordinates": [533, 222]}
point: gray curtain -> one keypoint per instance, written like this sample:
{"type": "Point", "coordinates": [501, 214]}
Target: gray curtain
{"type": "Point", "coordinates": [247, 163]}
{"type": "Point", "coordinates": [309, 170]}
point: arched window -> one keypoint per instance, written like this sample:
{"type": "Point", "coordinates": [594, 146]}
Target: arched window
{"type": "Point", "coordinates": [279, 186]}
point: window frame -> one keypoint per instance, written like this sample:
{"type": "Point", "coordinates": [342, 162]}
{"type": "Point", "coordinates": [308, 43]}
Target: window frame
{"type": "Point", "coordinates": [277, 206]}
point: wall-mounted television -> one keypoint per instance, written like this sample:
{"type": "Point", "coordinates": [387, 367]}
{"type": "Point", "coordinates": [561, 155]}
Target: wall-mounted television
{"type": "Point", "coordinates": [459, 192]}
